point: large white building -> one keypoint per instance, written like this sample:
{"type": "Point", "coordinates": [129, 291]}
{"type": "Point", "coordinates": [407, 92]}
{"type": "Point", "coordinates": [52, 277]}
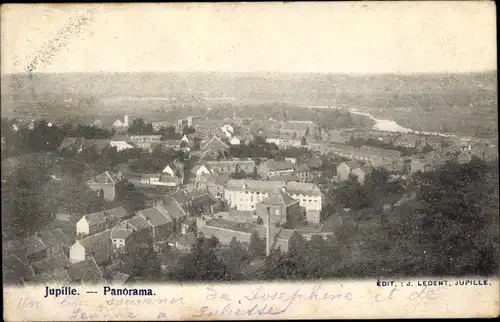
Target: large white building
{"type": "Point", "coordinates": [121, 142]}
{"type": "Point", "coordinates": [244, 195]}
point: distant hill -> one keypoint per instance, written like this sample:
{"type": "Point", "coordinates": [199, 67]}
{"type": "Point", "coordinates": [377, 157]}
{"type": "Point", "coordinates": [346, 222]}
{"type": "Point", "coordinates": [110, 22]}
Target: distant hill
{"type": "Point", "coordinates": [270, 86]}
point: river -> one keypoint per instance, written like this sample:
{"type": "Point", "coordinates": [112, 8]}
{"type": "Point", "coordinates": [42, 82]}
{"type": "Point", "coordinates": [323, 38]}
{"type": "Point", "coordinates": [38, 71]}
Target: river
{"type": "Point", "coordinates": [392, 126]}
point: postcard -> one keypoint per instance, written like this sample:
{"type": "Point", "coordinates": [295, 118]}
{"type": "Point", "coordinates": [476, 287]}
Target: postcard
{"type": "Point", "coordinates": [236, 161]}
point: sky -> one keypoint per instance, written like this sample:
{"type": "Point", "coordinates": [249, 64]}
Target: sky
{"type": "Point", "coordinates": [343, 37]}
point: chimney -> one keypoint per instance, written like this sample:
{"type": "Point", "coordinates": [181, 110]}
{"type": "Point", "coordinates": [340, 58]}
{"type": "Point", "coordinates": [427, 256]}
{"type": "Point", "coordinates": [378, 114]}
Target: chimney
{"type": "Point", "coordinates": [268, 232]}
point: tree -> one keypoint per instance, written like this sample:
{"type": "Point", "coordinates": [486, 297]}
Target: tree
{"type": "Point", "coordinates": [296, 256]}
{"type": "Point", "coordinates": [257, 246]}
{"type": "Point", "coordinates": [235, 257]}
{"type": "Point", "coordinates": [142, 262]}
{"type": "Point", "coordinates": [169, 133]}
{"type": "Point", "coordinates": [130, 198]}
{"type": "Point", "coordinates": [316, 261]}
{"type": "Point", "coordinates": [459, 207]}
{"type": "Point", "coordinates": [202, 264]}
{"type": "Point", "coordinates": [303, 141]}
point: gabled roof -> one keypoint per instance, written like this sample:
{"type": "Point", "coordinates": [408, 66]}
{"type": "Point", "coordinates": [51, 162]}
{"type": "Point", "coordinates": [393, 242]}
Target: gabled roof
{"type": "Point", "coordinates": [175, 210]}
{"type": "Point", "coordinates": [157, 216]}
{"type": "Point", "coordinates": [104, 177]}
{"type": "Point", "coordinates": [33, 245]}
{"type": "Point", "coordinates": [302, 187]}
{"type": "Point", "coordinates": [94, 241]}
{"type": "Point", "coordinates": [197, 194]}
{"type": "Point", "coordinates": [198, 166]}
{"type": "Point", "coordinates": [51, 263]}
{"type": "Point", "coordinates": [179, 196]}
{"type": "Point", "coordinates": [85, 271]}
{"type": "Point", "coordinates": [67, 142]}
{"type": "Point", "coordinates": [56, 237]}
{"type": "Point", "coordinates": [274, 165]}
{"type": "Point", "coordinates": [221, 179]}
{"type": "Point", "coordinates": [59, 275]}
{"type": "Point", "coordinates": [106, 215]}
{"type": "Point", "coordinates": [138, 223]}
{"type": "Point", "coordinates": [279, 198]}
{"type": "Point", "coordinates": [215, 143]}
{"type": "Point", "coordinates": [118, 233]}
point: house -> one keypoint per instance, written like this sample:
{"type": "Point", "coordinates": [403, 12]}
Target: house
{"type": "Point", "coordinates": [282, 139]}
{"type": "Point", "coordinates": [231, 166]}
{"type": "Point", "coordinates": [150, 178]}
{"type": "Point", "coordinates": [177, 213]}
{"type": "Point", "coordinates": [51, 264]}
{"type": "Point", "coordinates": [178, 197]}
{"type": "Point", "coordinates": [201, 169]}
{"type": "Point", "coordinates": [57, 241]}
{"type": "Point", "coordinates": [76, 144]}
{"type": "Point", "coordinates": [407, 141]}
{"type": "Point", "coordinates": [436, 142]}
{"type": "Point", "coordinates": [225, 231]}
{"type": "Point", "coordinates": [157, 125]}
{"type": "Point", "coordinates": [98, 246]}
{"type": "Point", "coordinates": [270, 168]}
{"type": "Point", "coordinates": [214, 147]}
{"type": "Point", "coordinates": [187, 226]}
{"type": "Point", "coordinates": [485, 152]}
{"type": "Point", "coordinates": [145, 142]}
{"type": "Point", "coordinates": [186, 242]}
{"type": "Point", "coordinates": [119, 238]}
{"type": "Point", "coordinates": [309, 171]}
{"type": "Point", "coordinates": [86, 272]}
{"type": "Point", "coordinates": [464, 157]}
{"type": "Point", "coordinates": [361, 173]}
{"type": "Point", "coordinates": [100, 221]}
{"type": "Point", "coordinates": [175, 169]}
{"type": "Point", "coordinates": [106, 183]}
{"type": "Point", "coordinates": [121, 127]}
{"type": "Point", "coordinates": [243, 195]}
{"type": "Point", "coordinates": [234, 141]}
{"type": "Point", "coordinates": [33, 249]}
{"type": "Point", "coordinates": [162, 224]}
{"type": "Point", "coordinates": [171, 144]}
{"type": "Point", "coordinates": [202, 202]}
{"type": "Point", "coordinates": [185, 139]}
{"type": "Point", "coordinates": [158, 179]}
{"type": "Point", "coordinates": [345, 168]}
{"type": "Point", "coordinates": [286, 178]}
{"type": "Point", "coordinates": [281, 208]}
{"type": "Point", "coordinates": [310, 199]}
{"type": "Point", "coordinates": [213, 183]}
{"type": "Point", "coordinates": [121, 142]}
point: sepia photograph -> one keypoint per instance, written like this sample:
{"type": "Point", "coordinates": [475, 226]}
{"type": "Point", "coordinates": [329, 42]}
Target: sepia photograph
{"type": "Point", "coordinates": [249, 154]}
